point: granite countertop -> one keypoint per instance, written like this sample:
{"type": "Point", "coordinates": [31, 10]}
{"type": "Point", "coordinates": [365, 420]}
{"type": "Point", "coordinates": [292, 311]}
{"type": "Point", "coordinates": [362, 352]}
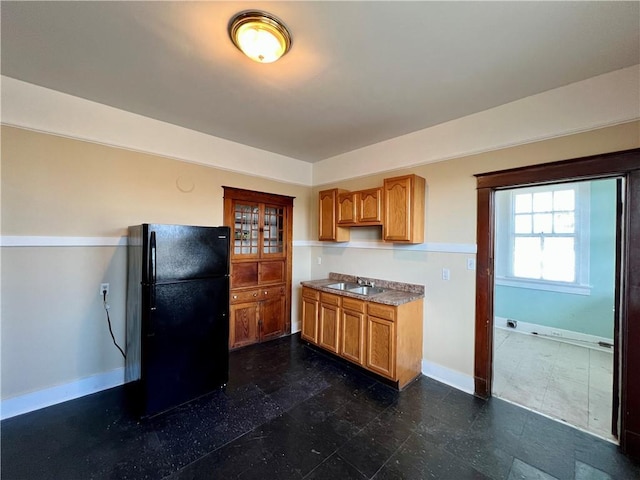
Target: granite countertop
{"type": "Point", "coordinates": [395, 293]}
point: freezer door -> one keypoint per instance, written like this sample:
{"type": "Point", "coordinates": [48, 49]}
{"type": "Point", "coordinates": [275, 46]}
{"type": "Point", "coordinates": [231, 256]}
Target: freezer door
{"type": "Point", "coordinates": [180, 252]}
{"type": "Point", "coordinates": [185, 350]}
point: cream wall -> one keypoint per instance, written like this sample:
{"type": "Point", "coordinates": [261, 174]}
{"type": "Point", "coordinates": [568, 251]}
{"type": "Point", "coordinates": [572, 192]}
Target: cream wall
{"type": "Point", "coordinates": [76, 193]}
{"type": "Point", "coordinates": [450, 239]}
{"type": "Point", "coordinates": [79, 185]}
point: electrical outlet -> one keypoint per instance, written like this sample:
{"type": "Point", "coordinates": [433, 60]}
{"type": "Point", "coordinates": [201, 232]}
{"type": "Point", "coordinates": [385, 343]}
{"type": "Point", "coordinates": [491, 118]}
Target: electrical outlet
{"type": "Point", "coordinates": [319, 260]}
{"type": "Point", "coordinates": [471, 263]}
{"type": "Point", "coordinates": [103, 287]}
{"type": "Point", "coordinates": [446, 274]}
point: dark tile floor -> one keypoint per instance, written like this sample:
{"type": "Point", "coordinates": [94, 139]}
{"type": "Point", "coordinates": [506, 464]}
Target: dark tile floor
{"type": "Point", "coordinates": [290, 412]}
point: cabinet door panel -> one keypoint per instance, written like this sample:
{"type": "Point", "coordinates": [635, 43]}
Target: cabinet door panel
{"type": "Point", "coordinates": [352, 336]}
{"type": "Point", "coordinates": [397, 209]}
{"type": "Point", "coordinates": [272, 317]}
{"type": "Point", "coordinates": [370, 206]}
{"type": "Point", "coordinates": [381, 346]}
{"type": "Point", "coordinates": [271, 272]}
{"type": "Point", "coordinates": [274, 231]}
{"type": "Point", "coordinates": [328, 329]}
{"type": "Point", "coordinates": [328, 217]}
{"type": "Point", "coordinates": [346, 209]}
{"type": "Point", "coordinates": [244, 324]}
{"type": "Point", "coordinates": [244, 274]}
{"type": "Point", "coordinates": [246, 229]}
{"type": "Point", "coordinates": [309, 320]}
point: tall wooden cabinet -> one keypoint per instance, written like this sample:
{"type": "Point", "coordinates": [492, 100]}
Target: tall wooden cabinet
{"type": "Point", "coordinates": [261, 253]}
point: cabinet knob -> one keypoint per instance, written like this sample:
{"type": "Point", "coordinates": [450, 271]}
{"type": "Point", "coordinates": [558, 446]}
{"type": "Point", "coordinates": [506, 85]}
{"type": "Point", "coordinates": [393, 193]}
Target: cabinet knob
{"type": "Point", "coordinates": [255, 294]}
{"type": "Point", "coordinates": [235, 297]}
{"type": "Point", "coordinates": [265, 292]}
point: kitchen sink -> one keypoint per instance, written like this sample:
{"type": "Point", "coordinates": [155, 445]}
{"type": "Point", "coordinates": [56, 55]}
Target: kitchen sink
{"type": "Point", "coordinates": [343, 286]}
{"type": "Point", "coordinates": [366, 290]}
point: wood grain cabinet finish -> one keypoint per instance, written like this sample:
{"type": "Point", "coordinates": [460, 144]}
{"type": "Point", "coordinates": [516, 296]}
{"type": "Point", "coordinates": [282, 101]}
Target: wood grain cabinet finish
{"type": "Point", "coordinates": [384, 339]}
{"type": "Point", "coordinates": [328, 229]}
{"type": "Point", "coordinates": [347, 208]}
{"type": "Point", "coordinates": [244, 319]}
{"type": "Point", "coordinates": [360, 208]}
{"type": "Point", "coordinates": [352, 330]}
{"type": "Point", "coordinates": [256, 315]}
{"type": "Point", "coordinates": [261, 265]}
{"type": "Point", "coordinates": [310, 303]}
{"type": "Point", "coordinates": [404, 199]}
{"type": "Point", "coordinates": [369, 207]}
{"type": "Point", "coordinates": [329, 320]}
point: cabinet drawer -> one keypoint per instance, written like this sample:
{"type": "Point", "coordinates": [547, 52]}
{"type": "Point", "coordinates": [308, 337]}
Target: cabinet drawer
{"type": "Point", "coordinates": [310, 293]}
{"type": "Point", "coordinates": [272, 292]}
{"type": "Point", "coordinates": [382, 311]}
{"type": "Point", "coordinates": [353, 304]}
{"type": "Point", "coordinates": [329, 299]}
{"type": "Point", "coordinates": [243, 296]}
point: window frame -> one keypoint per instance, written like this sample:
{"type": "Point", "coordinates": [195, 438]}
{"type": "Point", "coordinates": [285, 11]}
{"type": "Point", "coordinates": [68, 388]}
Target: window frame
{"type": "Point", "coordinates": [505, 240]}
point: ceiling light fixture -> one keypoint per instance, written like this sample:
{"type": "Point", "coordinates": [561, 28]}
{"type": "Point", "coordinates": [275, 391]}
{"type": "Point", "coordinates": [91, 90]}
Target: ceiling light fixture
{"type": "Point", "coordinates": [259, 35]}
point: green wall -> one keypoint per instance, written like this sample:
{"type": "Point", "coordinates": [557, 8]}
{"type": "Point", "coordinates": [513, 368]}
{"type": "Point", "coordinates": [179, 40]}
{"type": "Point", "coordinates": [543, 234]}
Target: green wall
{"type": "Point", "coordinates": [591, 314]}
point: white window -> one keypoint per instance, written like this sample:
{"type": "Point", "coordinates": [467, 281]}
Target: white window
{"type": "Point", "coordinates": [543, 237]}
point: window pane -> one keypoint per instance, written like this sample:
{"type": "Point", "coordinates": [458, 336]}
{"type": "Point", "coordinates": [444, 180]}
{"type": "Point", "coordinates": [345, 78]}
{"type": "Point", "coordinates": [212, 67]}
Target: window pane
{"type": "Point", "coordinates": [246, 229]}
{"type": "Point", "coordinates": [542, 202]}
{"type": "Point", "coordinates": [523, 224]}
{"type": "Point", "coordinates": [564, 200]}
{"type": "Point", "coordinates": [523, 203]}
{"type": "Point", "coordinates": [564, 222]}
{"type": "Point", "coordinates": [273, 231]}
{"type": "Point", "coordinates": [559, 259]}
{"type": "Point", "coordinates": [542, 223]}
{"type": "Point", "coordinates": [527, 261]}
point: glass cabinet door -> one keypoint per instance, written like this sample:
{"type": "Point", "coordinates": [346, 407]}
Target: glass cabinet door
{"type": "Point", "coordinates": [273, 230]}
{"type": "Point", "coordinates": [246, 229]}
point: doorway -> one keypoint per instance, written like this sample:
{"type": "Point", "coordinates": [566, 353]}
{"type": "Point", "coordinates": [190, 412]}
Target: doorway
{"type": "Point", "coordinates": [554, 300]}
{"type": "Point", "coordinates": [626, 165]}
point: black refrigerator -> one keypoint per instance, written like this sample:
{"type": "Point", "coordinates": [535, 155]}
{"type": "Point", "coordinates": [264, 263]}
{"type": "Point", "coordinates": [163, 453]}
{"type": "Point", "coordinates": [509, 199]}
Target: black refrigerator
{"type": "Point", "coordinates": [177, 345]}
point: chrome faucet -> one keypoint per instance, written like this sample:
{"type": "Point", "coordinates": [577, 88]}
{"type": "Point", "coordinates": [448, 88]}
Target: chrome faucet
{"type": "Point", "coordinates": [364, 282]}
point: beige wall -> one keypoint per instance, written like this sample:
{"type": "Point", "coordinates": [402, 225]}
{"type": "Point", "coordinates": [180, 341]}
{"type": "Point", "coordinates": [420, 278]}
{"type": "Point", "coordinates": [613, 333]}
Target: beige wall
{"type": "Point", "coordinates": [57, 186]}
{"type": "Point", "coordinates": [450, 219]}
{"type": "Point", "coordinates": [53, 326]}
{"type": "Point", "coordinates": [54, 329]}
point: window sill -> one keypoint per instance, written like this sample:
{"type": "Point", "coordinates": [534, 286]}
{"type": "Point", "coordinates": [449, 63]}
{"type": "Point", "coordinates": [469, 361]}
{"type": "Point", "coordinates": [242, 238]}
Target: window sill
{"type": "Point", "coordinates": [557, 287]}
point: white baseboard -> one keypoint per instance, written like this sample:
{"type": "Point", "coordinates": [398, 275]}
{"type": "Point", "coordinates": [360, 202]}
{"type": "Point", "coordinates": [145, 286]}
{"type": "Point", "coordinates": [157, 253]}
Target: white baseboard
{"type": "Point", "coordinates": [60, 393]}
{"type": "Point", "coordinates": [452, 378]}
{"type": "Point", "coordinates": [552, 333]}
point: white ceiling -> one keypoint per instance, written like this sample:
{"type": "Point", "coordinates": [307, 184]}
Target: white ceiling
{"type": "Point", "coordinates": [358, 73]}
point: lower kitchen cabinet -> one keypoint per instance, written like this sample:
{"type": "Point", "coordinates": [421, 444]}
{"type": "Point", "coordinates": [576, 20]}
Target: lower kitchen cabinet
{"type": "Point", "coordinates": [352, 330]}
{"type": "Point", "coordinates": [256, 314]}
{"type": "Point", "coordinates": [385, 339]}
{"type": "Point", "coordinates": [310, 302]}
{"type": "Point", "coordinates": [380, 346]}
{"type": "Point", "coordinates": [329, 319]}
{"type": "Point", "coordinates": [244, 324]}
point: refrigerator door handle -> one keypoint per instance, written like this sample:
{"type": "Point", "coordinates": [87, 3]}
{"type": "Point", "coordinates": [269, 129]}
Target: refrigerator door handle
{"type": "Point", "coordinates": [152, 268]}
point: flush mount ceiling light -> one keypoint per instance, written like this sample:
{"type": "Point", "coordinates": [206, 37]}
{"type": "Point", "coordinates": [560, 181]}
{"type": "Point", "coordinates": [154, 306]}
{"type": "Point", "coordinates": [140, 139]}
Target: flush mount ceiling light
{"type": "Point", "coordinates": [260, 36]}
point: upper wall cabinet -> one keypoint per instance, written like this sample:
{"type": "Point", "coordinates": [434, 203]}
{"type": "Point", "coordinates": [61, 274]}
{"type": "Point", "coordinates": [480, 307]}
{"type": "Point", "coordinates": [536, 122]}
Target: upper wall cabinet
{"type": "Point", "coordinates": [361, 208]}
{"type": "Point", "coordinates": [328, 228]}
{"type": "Point", "coordinates": [369, 207]}
{"type": "Point", "coordinates": [404, 209]}
{"type": "Point", "coordinates": [398, 206]}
